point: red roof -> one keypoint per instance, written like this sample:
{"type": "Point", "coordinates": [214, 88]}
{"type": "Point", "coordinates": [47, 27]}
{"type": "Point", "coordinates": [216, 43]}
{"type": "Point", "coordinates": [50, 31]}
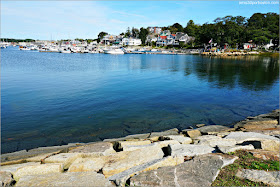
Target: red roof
{"type": "Point", "coordinates": [163, 37]}
{"type": "Point", "coordinates": [173, 34]}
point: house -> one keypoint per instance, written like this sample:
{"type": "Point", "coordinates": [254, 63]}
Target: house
{"type": "Point", "coordinates": [161, 41]}
{"type": "Point", "coordinates": [154, 30]}
{"type": "Point", "coordinates": [247, 45]}
{"type": "Point", "coordinates": [108, 39]}
{"type": "Point", "coordinates": [171, 40]}
{"type": "Point", "coordinates": [131, 41]}
{"type": "Point", "coordinates": [151, 38]}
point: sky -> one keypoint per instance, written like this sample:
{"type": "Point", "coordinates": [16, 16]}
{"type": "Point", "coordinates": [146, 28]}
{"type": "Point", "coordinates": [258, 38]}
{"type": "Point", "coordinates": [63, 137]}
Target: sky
{"type": "Point", "coordinates": [57, 20]}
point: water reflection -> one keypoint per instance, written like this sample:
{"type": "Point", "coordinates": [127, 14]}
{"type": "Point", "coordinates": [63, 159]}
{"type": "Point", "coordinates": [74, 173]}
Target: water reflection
{"type": "Point", "coordinates": [253, 73]}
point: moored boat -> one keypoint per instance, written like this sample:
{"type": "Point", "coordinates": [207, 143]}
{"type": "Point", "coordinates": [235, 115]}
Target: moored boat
{"type": "Point", "coordinates": [113, 51]}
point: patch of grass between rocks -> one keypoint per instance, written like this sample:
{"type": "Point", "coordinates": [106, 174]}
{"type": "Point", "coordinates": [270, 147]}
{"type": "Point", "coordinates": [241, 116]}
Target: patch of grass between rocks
{"type": "Point", "coordinates": [246, 160]}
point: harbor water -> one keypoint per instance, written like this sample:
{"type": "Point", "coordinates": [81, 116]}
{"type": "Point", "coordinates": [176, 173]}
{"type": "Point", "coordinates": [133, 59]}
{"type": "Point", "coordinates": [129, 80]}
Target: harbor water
{"type": "Point", "coordinates": [54, 98]}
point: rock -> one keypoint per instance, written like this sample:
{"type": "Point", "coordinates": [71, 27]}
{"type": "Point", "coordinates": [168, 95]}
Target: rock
{"type": "Point", "coordinates": [228, 149]}
{"type": "Point", "coordinates": [260, 124]}
{"type": "Point", "coordinates": [223, 134]}
{"type": "Point", "coordinates": [159, 144]}
{"type": "Point", "coordinates": [192, 133]}
{"type": "Point", "coordinates": [66, 158]}
{"type": "Point", "coordinates": [227, 159]}
{"type": "Point", "coordinates": [268, 177]}
{"type": "Point", "coordinates": [180, 138]}
{"type": "Point", "coordinates": [174, 131]}
{"type": "Point", "coordinates": [13, 168]}
{"type": "Point", "coordinates": [6, 178]}
{"type": "Point", "coordinates": [12, 162]}
{"type": "Point", "coordinates": [138, 136]}
{"type": "Point", "coordinates": [35, 152]}
{"type": "Point", "coordinates": [212, 129]}
{"type": "Point", "coordinates": [121, 144]}
{"type": "Point", "coordinates": [266, 142]}
{"type": "Point", "coordinates": [257, 123]}
{"type": "Point", "coordinates": [241, 137]}
{"type": "Point", "coordinates": [125, 160]}
{"type": "Point", "coordinates": [129, 137]}
{"type": "Point", "coordinates": [86, 164]}
{"type": "Point", "coordinates": [201, 171]}
{"type": "Point", "coordinates": [65, 179]}
{"type": "Point", "coordinates": [188, 150]}
{"type": "Point", "coordinates": [154, 138]}
{"type": "Point", "coordinates": [214, 141]}
{"type": "Point", "coordinates": [40, 157]}
{"type": "Point", "coordinates": [271, 145]}
{"type": "Point", "coordinates": [265, 155]}
{"type": "Point", "coordinates": [200, 125]}
{"type": "Point", "coordinates": [100, 148]}
{"type": "Point", "coordinates": [121, 178]}
{"type": "Point", "coordinates": [166, 143]}
{"type": "Point", "coordinates": [206, 138]}
{"type": "Point", "coordinates": [38, 170]}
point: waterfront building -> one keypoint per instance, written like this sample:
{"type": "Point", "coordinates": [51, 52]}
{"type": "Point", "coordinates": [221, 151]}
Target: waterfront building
{"type": "Point", "coordinates": [131, 41]}
{"type": "Point", "coordinates": [155, 30]}
{"type": "Point", "coordinates": [109, 39]}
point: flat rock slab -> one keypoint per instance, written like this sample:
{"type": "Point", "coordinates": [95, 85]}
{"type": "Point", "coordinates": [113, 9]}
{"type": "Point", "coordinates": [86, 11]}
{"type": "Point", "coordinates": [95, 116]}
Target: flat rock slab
{"type": "Point", "coordinates": [35, 152]}
{"type": "Point", "coordinates": [122, 144]}
{"type": "Point", "coordinates": [38, 170]}
{"type": "Point", "coordinates": [228, 149]}
{"type": "Point", "coordinates": [265, 155]}
{"type": "Point", "coordinates": [6, 178]}
{"type": "Point", "coordinates": [212, 129]}
{"type": "Point", "coordinates": [257, 123]}
{"type": "Point", "coordinates": [129, 137]}
{"type": "Point", "coordinates": [66, 158]}
{"type": "Point", "coordinates": [267, 142]}
{"type": "Point", "coordinates": [189, 150]}
{"type": "Point", "coordinates": [180, 138]}
{"type": "Point", "coordinates": [201, 171]}
{"type": "Point", "coordinates": [86, 164]}
{"type": "Point", "coordinates": [192, 133]}
{"type": "Point", "coordinates": [122, 161]}
{"type": "Point", "coordinates": [260, 124]}
{"type": "Point", "coordinates": [174, 131]}
{"type": "Point", "coordinates": [268, 177]}
{"type": "Point", "coordinates": [13, 168]}
{"type": "Point", "coordinates": [159, 144]}
{"type": "Point", "coordinates": [214, 141]}
{"type": "Point", "coordinates": [121, 178]}
{"type": "Point", "coordinates": [100, 148]}
{"type": "Point", "coordinates": [241, 137]}
{"type": "Point", "coordinates": [65, 179]}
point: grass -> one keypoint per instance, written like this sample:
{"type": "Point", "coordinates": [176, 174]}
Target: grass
{"type": "Point", "coordinates": [246, 160]}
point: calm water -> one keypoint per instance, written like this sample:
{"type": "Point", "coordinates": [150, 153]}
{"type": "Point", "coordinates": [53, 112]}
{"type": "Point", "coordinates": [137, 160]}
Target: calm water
{"type": "Point", "coordinates": [53, 99]}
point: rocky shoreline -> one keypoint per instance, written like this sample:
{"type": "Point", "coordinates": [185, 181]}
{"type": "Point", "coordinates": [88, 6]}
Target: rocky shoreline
{"type": "Point", "coordinates": [191, 157]}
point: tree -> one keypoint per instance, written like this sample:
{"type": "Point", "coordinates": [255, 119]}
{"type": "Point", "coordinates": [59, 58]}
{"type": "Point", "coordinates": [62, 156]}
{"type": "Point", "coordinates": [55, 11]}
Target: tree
{"type": "Point", "coordinates": [128, 33]}
{"type": "Point", "coordinates": [178, 27]}
{"type": "Point", "coordinates": [101, 36]}
{"type": "Point", "coordinates": [143, 34]}
{"type": "Point", "coordinates": [134, 32]}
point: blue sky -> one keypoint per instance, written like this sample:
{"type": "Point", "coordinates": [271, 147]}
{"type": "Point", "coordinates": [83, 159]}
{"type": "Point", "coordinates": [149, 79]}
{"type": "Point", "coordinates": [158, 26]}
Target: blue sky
{"type": "Point", "coordinates": [85, 19]}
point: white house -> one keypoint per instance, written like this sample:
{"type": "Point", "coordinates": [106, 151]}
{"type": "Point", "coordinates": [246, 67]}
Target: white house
{"type": "Point", "coordinates": [131, 41]}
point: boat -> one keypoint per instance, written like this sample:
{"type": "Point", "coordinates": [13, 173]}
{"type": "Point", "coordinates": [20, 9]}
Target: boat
{"type": "Point", "coordinates": [65, 51]}
{"type": "Point", "coordinates": [24, 48]}
{"type": "Point", "coordinates": [93, 52]}
{"type": "Point", "coordinates": [113, 51]}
